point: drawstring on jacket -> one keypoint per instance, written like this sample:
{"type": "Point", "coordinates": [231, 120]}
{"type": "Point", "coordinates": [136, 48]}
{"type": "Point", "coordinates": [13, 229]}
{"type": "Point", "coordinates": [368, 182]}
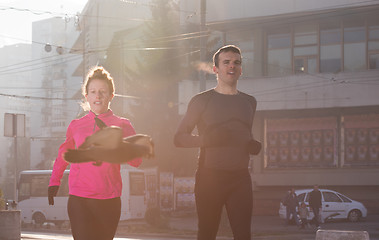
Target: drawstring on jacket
{"type": "Point", "coordinates": [101, 125]}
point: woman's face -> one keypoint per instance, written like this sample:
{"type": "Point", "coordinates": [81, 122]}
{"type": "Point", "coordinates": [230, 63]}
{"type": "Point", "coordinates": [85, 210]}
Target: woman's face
{"type": "Point", "coordinates": [99, 96]}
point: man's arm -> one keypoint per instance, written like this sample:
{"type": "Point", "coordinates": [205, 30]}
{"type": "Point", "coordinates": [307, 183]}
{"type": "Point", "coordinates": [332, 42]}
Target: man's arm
{"type": "Point", "coordinates": [183, 136]}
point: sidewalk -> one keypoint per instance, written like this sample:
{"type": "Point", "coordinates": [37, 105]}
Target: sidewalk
{"type": "Point", "coordinates": [261, 226]}
{"type": "Point", "coordinates": [185, 227]}
{"type": "Point", "coordinates": [272, 227]}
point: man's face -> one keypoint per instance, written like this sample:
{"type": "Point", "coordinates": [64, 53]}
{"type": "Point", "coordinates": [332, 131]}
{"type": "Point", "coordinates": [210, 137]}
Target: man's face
{"type": "Point", "coordinates": [229, 68]}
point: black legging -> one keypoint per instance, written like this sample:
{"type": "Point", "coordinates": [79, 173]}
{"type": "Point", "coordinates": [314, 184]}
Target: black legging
{"type": "Point", "coordinates": [213, 190]}
{"type": "Point", "coordinates": [93, 219]}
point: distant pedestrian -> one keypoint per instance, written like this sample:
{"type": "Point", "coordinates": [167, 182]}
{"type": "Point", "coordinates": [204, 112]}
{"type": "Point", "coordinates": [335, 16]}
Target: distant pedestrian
{"type": "Point", "coordinates": [315, 204]}
{"type": "Point", "coordinates": [14, 205]}
{"type": "Point", "coordinates": [304, 214]}
{"type": "Point", "coordinates": [292, 203]}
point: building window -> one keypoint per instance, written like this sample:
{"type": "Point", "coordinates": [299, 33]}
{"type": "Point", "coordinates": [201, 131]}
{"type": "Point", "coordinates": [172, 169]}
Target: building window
{"type": "Point", "coordinates": [374, 61]}
{"type": "Point", "coordinates": [279, 53]}
{"type": "Point", "coordinates": [373, 43]}
{"type": "Point", "coordinates": [330, 49]}
{"type": "Point", "coordinates": [373, 35]}
{"type": "Point", "coordinates": [305, 50]}
{"type": "Point", "coordinates": [244, 40]}
{"type": "Point", "coordinates": [354, 38]}
{"type": "Point", "coordinates": [306, 64]}
{"type": "Point", "coordinates": [325, 46]}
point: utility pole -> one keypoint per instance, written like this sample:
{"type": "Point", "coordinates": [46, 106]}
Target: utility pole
{"type": "Point", "coordinates": [14, 126]}
{"type": "Point", "coordinates": [84, 47]}
{"type": "Point", "coordinates": [203, 42]}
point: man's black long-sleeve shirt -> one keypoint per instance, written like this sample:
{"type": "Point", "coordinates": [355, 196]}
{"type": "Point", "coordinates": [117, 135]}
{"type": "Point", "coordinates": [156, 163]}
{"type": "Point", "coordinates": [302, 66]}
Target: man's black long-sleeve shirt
{"type": "Point", "coordinates": [213, 111]}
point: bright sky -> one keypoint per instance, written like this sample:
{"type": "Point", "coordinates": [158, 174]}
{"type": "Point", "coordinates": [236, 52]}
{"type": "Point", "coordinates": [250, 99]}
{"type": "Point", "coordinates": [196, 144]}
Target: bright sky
{"type": "Point", "coordinates": [16, 16]}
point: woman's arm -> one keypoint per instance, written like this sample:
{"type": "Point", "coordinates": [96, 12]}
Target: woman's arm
{"type": "Point", "coordinates": [128, 130]}
{"type": "Point", "coordinates": [60, 164]}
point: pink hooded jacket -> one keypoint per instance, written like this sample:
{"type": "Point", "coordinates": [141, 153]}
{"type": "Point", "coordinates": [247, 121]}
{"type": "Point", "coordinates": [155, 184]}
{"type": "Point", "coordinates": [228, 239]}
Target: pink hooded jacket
{"type": "Point", "coordinates": [85, 179]}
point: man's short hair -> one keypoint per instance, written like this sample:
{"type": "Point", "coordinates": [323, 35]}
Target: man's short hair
{"type": "Point", "coordinates": [227, 48]}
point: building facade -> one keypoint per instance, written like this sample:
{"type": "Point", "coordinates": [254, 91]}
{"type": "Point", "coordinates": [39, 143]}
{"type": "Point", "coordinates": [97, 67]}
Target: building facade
{"type": "Point", "coordinates": [42, 82]}
{"type": "Point", "coordinates": [98, 24]}
{"type": "Point", "coordinates": [314, 69]}
{"type": "Point", "coordinates": [54, 99]}
{"type": "Point", "coordinates": [15, 114]}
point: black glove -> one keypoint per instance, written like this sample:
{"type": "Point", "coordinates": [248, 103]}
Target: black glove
{"type": "Point", "coordinates": [216, 137]}
{"type": "Point", "coordinates": [254, 147]}
{"type": "Point", "coordinates": [51, 193]}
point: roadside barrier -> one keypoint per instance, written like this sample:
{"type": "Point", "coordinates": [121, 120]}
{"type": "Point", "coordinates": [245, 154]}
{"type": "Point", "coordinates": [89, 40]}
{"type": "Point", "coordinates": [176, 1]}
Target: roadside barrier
{"type": "Point", "coordinates": [338, 235]}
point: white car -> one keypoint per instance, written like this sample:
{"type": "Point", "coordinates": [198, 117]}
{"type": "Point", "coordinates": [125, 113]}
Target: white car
{"type": "Point", "coordinates": [334, 206]}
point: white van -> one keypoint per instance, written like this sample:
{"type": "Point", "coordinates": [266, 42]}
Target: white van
{"type": "Point", "coordinates": [34, 206]}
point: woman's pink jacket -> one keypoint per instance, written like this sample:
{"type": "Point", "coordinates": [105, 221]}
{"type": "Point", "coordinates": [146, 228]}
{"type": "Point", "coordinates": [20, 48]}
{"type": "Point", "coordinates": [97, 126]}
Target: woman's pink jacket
{"type": "Point", "coordinates": [86, 179]}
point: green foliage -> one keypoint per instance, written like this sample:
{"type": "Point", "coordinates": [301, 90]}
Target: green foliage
{"type": "Point", "coordinates": [157, 71]}
{"type": "Point", "coordinates": [160, 66]}
{"type": "Point", "coordinates": [150, 60]}
{"type": "Point", "coordinates": [2, 200]}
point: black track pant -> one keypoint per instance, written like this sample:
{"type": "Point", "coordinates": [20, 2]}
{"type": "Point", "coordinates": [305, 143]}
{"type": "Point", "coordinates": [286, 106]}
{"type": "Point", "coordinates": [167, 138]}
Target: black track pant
{"type": "Point", "coordinates": [93, 219]}
{"type": "Point", "coordinates": [213, 190]}
{"type": "Point", "coordinates": [316, 218]}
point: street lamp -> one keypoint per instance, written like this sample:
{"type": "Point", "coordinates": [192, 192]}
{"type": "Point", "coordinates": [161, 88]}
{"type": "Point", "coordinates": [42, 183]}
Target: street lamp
{"type": "Point", "coordinates": [48, 48]}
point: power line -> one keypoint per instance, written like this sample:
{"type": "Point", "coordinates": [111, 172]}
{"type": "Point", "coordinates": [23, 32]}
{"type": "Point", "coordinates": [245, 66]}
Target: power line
{"type": "Point", "coordinates": [173, 39]}
{"type": "Point", "coordinates": [37, 98]}
{"type": "Point", "coordinates": [77, 16]}
{"type": "Point", "coordinates": [67, 16]}
{"type": "Point", "coordinates": [270, 19]}
{"type": "Point", "coordinates": [18, 70]}
{"type": "Point", "coordinates": [302, 99]}
{"type": "Point", "coordinates": [4, 68]}
{"type": "Point", "coordinates": [200, 35]}
{"type": "Point", "coordinates": [57, 98]}
{"type": "Point", "coordinates": [168, 39]}
{"type": "Point", "coordinates": [35, 12]}
{"type": "Point", "coordinates": [37, 62]}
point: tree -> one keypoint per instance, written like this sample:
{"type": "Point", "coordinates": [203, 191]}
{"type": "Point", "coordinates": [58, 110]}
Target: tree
{"type": "Point", "coordinates": [153, 75]}
{"type": "Point", "coordinates": [2, 200]}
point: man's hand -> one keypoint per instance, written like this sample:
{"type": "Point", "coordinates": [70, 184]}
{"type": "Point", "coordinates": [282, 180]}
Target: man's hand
{"type": "Point", "coordinates": [254, 147]}
{"type": "Point", "coordinates": [51, 193]}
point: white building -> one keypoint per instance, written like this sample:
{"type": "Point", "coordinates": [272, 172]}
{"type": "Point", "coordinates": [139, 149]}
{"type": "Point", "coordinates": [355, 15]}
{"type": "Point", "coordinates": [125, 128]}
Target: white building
{"type": "Point", "coordinates": [55, 104]}
{"type": "Point", "coordinates": [15, 86]}
{"type": "Point", "coordinates": [99, 21]}
{"type": "Point", "coordinates": [42, 82]}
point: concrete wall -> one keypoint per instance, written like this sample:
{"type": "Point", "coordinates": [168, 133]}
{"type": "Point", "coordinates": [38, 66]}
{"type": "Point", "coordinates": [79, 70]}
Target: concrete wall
{"type": "Point", "coordinates": [10, 225]}
{"type": "Point", "coordinates": [303, 91]}
{"type": "Point", "coordinates": [224, 10]}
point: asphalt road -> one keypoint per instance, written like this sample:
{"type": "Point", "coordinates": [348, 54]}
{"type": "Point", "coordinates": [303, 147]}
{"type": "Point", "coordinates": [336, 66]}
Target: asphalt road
{"type": "Point", "coordinates": [264, 228]}
{"type": "Point", "coordinates": [53, 236]}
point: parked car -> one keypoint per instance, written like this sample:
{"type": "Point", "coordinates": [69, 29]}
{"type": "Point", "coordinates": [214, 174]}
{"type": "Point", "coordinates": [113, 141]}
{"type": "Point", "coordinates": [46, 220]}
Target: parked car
{"type": "Point", "coordinates": [334, 206]}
